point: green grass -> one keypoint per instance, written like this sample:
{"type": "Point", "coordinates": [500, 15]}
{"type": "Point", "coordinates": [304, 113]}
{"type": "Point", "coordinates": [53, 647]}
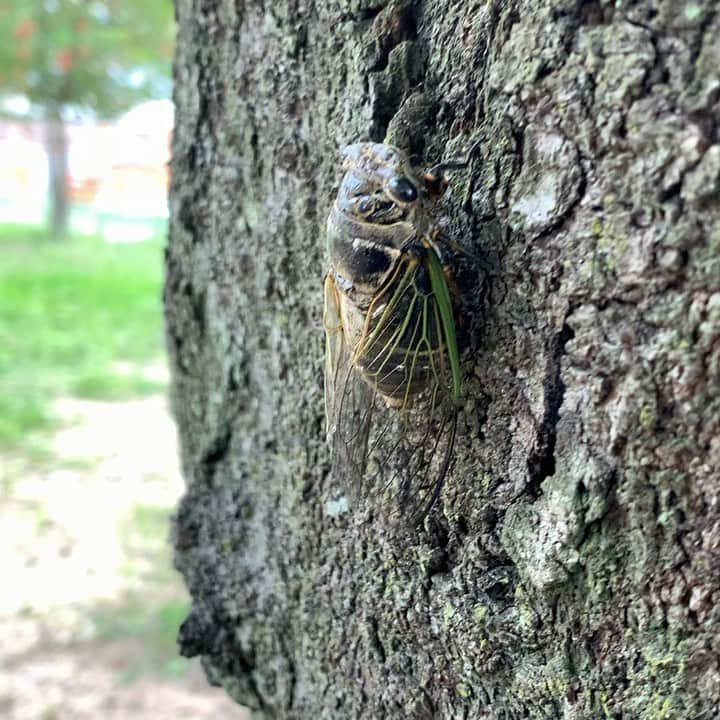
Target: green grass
{"type": "Point", "coordinates": [77, 317]}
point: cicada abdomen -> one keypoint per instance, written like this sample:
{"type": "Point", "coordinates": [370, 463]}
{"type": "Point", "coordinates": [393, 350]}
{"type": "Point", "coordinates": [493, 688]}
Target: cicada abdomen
{"type": "Point", "coordinates": [392, 376]}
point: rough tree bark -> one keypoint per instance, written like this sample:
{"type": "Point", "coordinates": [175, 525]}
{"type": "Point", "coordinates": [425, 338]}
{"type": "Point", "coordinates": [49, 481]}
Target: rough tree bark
{"type": "Point", "coordinates": [572, 566]}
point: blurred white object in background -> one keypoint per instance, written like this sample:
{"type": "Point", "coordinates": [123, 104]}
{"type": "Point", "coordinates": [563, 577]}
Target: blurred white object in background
{"type": "Point", "coordinates": [131, 204]}
{"type": "Point", "coordinates": [23, 176]}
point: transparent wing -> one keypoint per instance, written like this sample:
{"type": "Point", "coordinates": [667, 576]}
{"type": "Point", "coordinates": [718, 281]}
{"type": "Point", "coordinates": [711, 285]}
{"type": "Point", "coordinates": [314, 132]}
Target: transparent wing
{"type": "Point", "coordinates": [395, 394]}
{"type": "Point", "coordinates": [334, 348]}
{"type": "Point", "coordinates": [348, 400]}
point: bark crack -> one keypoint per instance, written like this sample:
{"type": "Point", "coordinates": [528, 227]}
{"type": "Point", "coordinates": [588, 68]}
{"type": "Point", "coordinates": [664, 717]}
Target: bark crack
{"type": "Point", "coordinates": [393, 27]}
{"type": "Point", "coordinates": [541, 464]}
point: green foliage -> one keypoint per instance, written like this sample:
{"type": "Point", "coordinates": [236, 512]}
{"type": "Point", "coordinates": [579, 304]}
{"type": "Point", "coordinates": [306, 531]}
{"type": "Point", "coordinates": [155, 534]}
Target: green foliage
{"type": "Point", "coordinates": [103, 55]}
{"type": "Point", "coordinates": [79, 318]}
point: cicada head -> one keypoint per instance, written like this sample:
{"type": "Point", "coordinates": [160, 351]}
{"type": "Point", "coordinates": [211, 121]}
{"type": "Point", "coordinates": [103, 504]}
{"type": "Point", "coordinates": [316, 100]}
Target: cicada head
{"type": "Point", "coordinates": [380, 186]}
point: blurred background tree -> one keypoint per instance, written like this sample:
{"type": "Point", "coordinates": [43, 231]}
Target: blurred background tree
{"type": "Point", "coordinates": [83, 56]}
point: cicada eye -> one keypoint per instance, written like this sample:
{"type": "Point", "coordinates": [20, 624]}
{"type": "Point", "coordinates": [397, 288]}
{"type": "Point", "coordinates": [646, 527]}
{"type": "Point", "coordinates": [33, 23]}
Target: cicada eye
{"type": "Point", "coordinates": [402, 190]}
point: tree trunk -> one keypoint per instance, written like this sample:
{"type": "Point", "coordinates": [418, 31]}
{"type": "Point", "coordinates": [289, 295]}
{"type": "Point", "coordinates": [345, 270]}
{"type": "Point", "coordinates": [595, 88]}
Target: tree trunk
{"type": "Point", "coordinates": [571, 568]}
{"type": "Point", "coordinates": [56, 147]}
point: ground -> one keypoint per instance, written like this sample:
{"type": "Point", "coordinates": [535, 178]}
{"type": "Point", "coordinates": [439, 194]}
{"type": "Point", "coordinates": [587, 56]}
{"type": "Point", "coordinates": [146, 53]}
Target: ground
{"type": "Point", "coordinates": [87, 619]}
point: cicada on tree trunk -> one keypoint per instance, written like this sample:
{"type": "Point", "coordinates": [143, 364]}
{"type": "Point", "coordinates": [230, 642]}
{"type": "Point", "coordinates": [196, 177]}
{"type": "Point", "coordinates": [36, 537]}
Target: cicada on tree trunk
{"type": "Point", "coordinates": [392, 371]}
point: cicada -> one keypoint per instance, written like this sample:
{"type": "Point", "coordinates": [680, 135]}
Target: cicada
{"type": "Point", "coordinates": [392, 367]}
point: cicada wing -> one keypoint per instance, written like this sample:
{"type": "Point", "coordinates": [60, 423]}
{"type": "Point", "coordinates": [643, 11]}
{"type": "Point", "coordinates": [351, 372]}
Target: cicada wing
{"type": "Point", "coordinates": [348, 400]}
{"type": "Point", "coordinates": [391, 390]}
{"type": "Point", "coordinates": [408, 459]}
{"type": "Point", "coordinates": [334, 349]}
{"type": "Point", "coordinates": [410, 358]}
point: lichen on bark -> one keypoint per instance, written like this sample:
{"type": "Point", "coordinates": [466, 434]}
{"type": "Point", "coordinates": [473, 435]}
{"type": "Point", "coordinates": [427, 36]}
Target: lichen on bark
{"type": "Point", "coordinates": [571, 568]}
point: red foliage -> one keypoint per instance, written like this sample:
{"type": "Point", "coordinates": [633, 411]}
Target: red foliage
{"type": "Point", "coordinates": [25, 29]}
{"type": "Point", "coordinates": [65, 60]}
